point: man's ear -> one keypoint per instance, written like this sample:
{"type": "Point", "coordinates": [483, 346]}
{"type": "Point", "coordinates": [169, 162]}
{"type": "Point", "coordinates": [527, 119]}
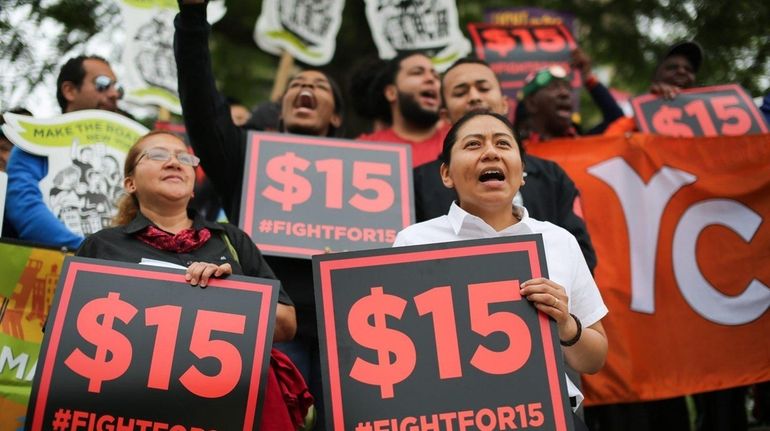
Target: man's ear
{"type": "Point", "coordinates": [530, 105]}
{"type": "Point", "coordinates": [445, 178]}
{"type": "Point", "coordinates": [335, 120]}
{"type": "Point", "coordinates": [69, 90]}
{"type": "Point", "coordinates": [391, 93]}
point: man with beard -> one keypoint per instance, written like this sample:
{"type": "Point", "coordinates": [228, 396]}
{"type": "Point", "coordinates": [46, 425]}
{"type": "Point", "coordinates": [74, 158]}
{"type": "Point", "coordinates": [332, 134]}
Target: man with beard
{"type": "Point", "coordinates": [549, 194]}
{"type": "Point", "coordinates": [410, 87]}
{"type": "Point", "coordinates": [311, 105]}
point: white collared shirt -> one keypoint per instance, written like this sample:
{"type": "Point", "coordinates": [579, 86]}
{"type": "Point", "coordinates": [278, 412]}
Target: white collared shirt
{"type": "Point", "coordinates": [565, 262]}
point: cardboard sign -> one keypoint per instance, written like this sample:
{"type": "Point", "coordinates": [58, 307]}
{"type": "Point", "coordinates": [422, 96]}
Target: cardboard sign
{"type": "Point", "coordinates": [412, 336]}
{"type": "Point", "coordinates": [529, 15]}
{"type": "Point", "coordinates": [128, 343]}
{"type": "Point", "coordinates": [305, 28]}
{"type": "Point", "coordinates": [513, 52]}
{"type": "Point", "coordinates": [85, 152]}
{"type": "Point", "coordinates": [432, 28]}
{"type": "Point", "coordinates": [304, 196]}
{"type": "Point", "coordinates": [707, 111]}
{"type": "Point", "coordinates": [149, 68]}
{"type": "Point", "coordinates": [27, 287]}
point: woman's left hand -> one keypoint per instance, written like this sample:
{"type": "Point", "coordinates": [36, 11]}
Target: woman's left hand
{"type": "Point", "coordinates": [198, 273]}
{"type": "Point", "coordinates": [551, 299]}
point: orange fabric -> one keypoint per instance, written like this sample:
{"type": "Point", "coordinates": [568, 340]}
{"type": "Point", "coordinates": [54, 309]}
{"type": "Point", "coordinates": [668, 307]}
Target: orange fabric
{"type": "Point", "coordinates": [621, 126]}
{"type": "Point", "coordinates": [678, 347]}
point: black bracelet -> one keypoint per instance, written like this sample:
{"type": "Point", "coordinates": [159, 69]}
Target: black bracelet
{"type": "Point", "coordinates": [576, 338]}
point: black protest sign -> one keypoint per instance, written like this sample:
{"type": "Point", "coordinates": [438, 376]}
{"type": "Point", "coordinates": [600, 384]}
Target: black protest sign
{"type": "Point", "coordinates": [438, 334]}
{"type": "Point", "coordinates": [305, 195]}
{"type": "Point", "coordinates": [132, 344]}
{"type": "Point", "coordinates": [724, 110]}
{"type": "Point", "coordinates": [513, 52]}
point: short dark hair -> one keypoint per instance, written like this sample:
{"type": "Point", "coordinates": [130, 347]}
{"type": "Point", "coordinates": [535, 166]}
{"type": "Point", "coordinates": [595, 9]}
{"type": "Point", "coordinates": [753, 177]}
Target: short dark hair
{"type": "Point", "coordinates": [451, 136]}
{"type": "Point", "coordinates": [369, 80]}
{"type": "Point", "coordinates": [465, 60]}
{"type": "Point", "coordinates": [74, 72]}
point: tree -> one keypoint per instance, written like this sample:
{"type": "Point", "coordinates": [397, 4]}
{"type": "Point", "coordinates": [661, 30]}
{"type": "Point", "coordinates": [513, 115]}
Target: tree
{"type": "Point", "coordinates": [628, 35]}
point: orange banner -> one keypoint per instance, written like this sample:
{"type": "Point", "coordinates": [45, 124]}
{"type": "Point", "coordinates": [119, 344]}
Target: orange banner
{"type": "Point", "coordinates": [680, 227]}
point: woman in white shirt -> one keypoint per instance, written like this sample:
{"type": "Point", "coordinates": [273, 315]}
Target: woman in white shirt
{"type": "Point", "coordinates": [482, 162]}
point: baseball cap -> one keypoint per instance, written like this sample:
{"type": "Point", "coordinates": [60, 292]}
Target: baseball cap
{"type": "Point", "coordinates": [541, 78]}
{"type": "Point", "coordinates": [689, 49]}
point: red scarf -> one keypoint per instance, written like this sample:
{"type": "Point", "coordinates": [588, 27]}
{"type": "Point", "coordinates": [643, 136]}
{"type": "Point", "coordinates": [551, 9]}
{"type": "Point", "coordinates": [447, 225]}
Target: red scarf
{"type": "Point", "coordinates": [185, 241]}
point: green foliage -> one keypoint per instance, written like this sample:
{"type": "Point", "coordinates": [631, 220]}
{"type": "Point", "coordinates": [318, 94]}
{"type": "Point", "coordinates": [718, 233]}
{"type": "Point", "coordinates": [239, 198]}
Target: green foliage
{"type": "Point", "coordinates": [626, 35]}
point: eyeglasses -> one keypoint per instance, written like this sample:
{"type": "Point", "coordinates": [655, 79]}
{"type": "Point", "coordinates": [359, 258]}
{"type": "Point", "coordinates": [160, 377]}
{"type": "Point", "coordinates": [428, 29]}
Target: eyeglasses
{"type": "Point", "coordinates": [163, 155]}
{"type": "Point", "coordinates": [542, 78]}
{"type": "Point", "coordinates": [104, 82]}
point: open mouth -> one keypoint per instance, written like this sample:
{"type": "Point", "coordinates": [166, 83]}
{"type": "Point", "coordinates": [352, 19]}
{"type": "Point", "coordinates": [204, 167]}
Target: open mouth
{"type": "Point", "coordinates": [306, 100]}
{"type": "Point", "coordinates": [564, 110]}
{"type": "Point", "coordinates": [492, 175]}
{"type": "Point", "coordinates": [429, 96]}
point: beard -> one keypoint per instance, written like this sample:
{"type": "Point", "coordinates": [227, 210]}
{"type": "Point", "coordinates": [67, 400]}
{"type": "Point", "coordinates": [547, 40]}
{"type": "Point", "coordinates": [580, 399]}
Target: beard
{"type": "Point", "coordinates": [414, 113]}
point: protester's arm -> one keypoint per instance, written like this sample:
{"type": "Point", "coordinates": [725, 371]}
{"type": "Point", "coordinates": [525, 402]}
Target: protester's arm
{"type": "Point", "coordinates": [599, 93]}
{"type": "Point", "coordinates": [218, 142]}
{"type": "Point", "coordinates": [25, 208]}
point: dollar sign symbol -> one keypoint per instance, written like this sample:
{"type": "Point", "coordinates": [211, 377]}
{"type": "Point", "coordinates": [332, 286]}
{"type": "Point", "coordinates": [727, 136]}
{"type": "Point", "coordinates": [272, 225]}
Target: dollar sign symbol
{"type": "Point", "coordinates": [106, 339]}
{"type": "Point", "coordinates": [296, 189]}
{"type": "Point", "coordinates": [499, 41]}
{"type": "Point", "coordinates": [385, 374]}
{"type": "Point", "coordinates": [665, 122]}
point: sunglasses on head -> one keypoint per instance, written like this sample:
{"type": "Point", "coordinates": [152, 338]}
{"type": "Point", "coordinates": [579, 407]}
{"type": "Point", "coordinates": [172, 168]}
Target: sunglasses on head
{"type": "Point", "coordinates": [163, 155]}
{"type": "Point", "coordinates": [104, 82]}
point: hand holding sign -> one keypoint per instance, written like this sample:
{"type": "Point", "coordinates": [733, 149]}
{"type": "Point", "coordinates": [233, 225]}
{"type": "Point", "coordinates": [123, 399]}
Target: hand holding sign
{"type": "Point", "coordinates": [709, 111]}
{"type": "Point", "coordinates": [398, 326]}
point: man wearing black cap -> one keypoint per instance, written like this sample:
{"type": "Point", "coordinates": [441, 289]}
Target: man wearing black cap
{"type": "Point", "coordinates": [677, 69]}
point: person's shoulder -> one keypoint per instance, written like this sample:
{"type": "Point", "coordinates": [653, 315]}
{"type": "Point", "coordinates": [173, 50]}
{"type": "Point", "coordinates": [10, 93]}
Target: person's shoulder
{"type": "Point", "coordinates": [424, 232]}
{"type": "Point", "coordinates": [549, 229]}
{"type": "Point", "coordinates": [112, 236]}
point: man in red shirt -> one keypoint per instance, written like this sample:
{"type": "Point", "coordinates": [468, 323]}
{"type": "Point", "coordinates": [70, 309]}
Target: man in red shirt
{"type": "Point", "coordinates": [410, 87]}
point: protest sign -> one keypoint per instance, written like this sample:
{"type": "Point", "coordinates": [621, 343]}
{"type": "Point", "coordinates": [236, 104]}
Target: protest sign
{"type": "Point", "coordinates": [705, 111]}
{"type": "Point", "coordinates": [30, 274]}
{"type": "Point", "coordinates": [149, 68]}
{"type": "Point", "coordinates": [85, 151]}
{"type": "Point", "coordinates": [137, 345]}
{"type": "Point", "coordinates": [307, 29]}
{"type": "Point", "coordinates": [431, 28]}
{"type": "Point", "coordinates": [408, 333]}
{"type": "Point", "coordinates": [305, 195]}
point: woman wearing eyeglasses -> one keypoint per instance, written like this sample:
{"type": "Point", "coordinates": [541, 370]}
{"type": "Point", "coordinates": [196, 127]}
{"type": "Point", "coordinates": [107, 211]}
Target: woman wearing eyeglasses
{"type": "Point", "coordinates": [154, 224]}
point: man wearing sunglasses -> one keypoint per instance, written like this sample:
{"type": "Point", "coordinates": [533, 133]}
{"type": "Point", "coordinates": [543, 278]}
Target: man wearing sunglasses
{"type": "Point", "coordinates": [546, 110]}
{"type": "Point", "coordinates": [84, 82]}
